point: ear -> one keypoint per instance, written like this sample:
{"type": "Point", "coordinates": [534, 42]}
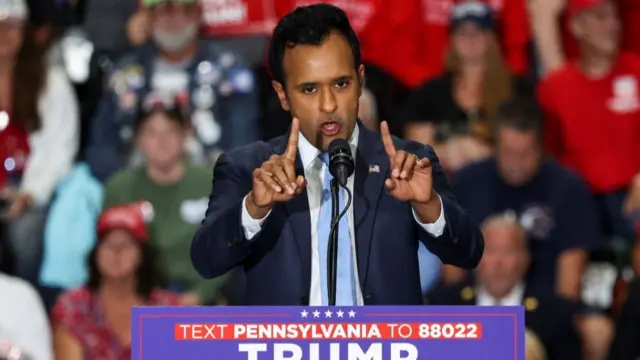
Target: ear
{"type": "Point", "coordinates": [282, 95]}
{"type": "Point", "coordinates": [361, 76]}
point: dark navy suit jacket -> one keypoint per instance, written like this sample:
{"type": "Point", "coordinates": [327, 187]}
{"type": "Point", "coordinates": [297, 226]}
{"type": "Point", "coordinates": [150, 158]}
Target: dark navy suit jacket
{"type": "Point", "coordinates": [277, 261]}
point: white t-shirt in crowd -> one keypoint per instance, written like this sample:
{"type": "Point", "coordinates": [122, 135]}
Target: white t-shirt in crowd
{"type": "Point", "coordinates": [23, 319]}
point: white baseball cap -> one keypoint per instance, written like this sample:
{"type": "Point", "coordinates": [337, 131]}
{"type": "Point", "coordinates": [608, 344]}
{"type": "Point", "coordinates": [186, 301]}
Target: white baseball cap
{"type": "Point", "coordinates": [13, 9]}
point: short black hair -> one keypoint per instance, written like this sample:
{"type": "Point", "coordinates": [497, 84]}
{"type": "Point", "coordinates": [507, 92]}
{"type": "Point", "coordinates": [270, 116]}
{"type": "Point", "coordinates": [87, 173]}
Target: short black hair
{"type": "Point", "coordinates": [147, 274]}
{"type": "Point", "coordinates": [520, 113]}
{"type": "Point", "coordinates": [309, 25]}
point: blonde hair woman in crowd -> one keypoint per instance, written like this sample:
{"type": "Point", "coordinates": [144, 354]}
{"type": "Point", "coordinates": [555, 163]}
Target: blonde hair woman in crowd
{"type": "Point", "coordinates": [454, 112]}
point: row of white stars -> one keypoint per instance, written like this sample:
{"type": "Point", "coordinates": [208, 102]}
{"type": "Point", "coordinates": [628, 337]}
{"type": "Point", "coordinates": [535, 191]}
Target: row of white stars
{"type": "Point", "coordinates": [327, 314]}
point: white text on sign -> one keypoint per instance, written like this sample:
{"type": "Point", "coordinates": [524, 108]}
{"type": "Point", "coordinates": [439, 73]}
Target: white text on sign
{"type": "Point", "coordinates": [284, 351]}
{"type": "Point", "coordinates": [329, 331]}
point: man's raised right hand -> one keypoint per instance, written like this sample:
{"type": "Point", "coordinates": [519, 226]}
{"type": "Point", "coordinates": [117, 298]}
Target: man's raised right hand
{"type": "Point", "coordinates": [276, 181]}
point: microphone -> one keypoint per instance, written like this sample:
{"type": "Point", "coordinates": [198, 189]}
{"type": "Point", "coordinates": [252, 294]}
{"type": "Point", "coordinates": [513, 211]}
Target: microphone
{"type": "Point", "coordinates": [341, 163]}
{"type": "Point", "coordinates": [341, 166]}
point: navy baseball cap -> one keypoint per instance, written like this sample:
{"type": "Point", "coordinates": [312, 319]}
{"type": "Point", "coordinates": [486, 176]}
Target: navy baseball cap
{"type": "Point", "coordinates": [476, 12]}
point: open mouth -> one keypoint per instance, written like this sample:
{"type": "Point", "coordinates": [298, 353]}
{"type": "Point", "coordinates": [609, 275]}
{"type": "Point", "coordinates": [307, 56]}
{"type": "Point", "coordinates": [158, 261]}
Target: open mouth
{"type": "Point", "coordinates": [330, 128]}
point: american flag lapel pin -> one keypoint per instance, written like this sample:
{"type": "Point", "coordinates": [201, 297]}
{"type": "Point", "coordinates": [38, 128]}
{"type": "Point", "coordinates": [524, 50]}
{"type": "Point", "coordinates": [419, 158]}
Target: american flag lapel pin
{"type": "Point", "coordinates": [374, 169]}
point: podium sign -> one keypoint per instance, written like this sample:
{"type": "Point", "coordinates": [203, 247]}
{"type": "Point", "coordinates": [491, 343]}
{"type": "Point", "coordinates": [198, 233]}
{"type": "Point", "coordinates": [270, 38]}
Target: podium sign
{"type": "Point", "coordinates": [328, 333]}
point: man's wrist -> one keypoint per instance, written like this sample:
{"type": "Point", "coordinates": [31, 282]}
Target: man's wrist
{"type": "Point", "coordinates": [428, 212]}
{"type": "Point", "coordinates": [256, 212]}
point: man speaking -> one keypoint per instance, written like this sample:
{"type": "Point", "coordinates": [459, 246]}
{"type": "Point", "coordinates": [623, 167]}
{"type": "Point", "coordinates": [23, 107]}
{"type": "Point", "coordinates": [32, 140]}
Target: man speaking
{"type": "Point", "coordinates": [271, 208]}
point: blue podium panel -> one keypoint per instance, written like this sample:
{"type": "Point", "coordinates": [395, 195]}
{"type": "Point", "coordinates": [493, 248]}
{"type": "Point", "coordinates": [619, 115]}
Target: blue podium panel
{"type": "Point", "coordinates": [328, 333]}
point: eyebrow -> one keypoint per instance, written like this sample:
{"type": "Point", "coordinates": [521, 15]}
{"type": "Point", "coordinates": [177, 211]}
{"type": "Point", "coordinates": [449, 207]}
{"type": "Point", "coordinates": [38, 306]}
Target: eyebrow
{"type": "Point", "coordinates": [339, 78]}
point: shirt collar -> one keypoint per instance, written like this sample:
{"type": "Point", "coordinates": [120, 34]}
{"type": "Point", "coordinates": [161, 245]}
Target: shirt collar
{"type": "Point", "coordinates": [513, 298]}
{"type": "Point", "coordinates": [309, 153]}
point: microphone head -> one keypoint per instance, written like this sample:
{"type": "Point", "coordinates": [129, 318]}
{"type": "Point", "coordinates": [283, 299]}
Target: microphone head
{"type": "Point", "coordinates": [339, 145]}
{"type": "Point", "coordinates": [341, 164]}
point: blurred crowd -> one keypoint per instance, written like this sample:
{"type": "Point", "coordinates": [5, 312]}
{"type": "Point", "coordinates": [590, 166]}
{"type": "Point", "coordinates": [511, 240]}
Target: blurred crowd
{"type": "Point", "coordinates": [113, 113]}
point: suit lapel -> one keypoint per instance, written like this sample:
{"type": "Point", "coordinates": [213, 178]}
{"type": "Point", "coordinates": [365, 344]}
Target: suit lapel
{"type": "Point", "coordinates": [372, 168]}
{"type": "Point", "coordinates": [297, 210]}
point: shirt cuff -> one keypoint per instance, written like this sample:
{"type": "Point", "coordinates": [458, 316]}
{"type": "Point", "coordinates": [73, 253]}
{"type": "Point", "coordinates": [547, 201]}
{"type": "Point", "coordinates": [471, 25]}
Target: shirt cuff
{"type": "Point", "coordinates": [435, 229]}
{"type": "Point", "coordinates": [251, 226]}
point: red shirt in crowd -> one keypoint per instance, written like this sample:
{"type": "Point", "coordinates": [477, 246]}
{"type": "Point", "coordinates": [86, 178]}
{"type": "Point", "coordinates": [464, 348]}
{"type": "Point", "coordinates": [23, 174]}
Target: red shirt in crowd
{"type": "Point", "coordinates": [629, 12]}
{"type": "Point", "coordinates": [406, 38]}
{"type": "Point", "coordinates": [80, 314]}
{"type": "Point", "coordinates": [512, 26]}
{"type": "Point", "coordinates": [593, 125]}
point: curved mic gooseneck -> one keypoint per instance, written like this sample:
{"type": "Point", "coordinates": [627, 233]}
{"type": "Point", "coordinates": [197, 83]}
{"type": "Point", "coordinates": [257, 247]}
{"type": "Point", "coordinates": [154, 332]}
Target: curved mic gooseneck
{"type": "Point", "coordinates": [341, 166]}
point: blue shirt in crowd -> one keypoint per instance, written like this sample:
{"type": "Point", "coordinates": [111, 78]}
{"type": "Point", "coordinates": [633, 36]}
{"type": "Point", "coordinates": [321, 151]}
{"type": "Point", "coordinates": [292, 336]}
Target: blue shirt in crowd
{"type": "Point", "coordinates": [554, 207]}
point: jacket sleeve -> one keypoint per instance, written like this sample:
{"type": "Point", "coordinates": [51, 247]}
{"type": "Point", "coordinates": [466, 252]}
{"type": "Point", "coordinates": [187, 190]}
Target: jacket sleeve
{"type": "Point", "coordinates": [210, 290]}
{"type": "Point", "coordinates": [55, 144]}
{"type": "Point", "coordinates": [219, 245]}
{"type": "Point", "coordinates": [241, 109]}
{"type": "Point", "coordinates": [462, 243]}
{"type": "Point", "coordinates": [103, 151]}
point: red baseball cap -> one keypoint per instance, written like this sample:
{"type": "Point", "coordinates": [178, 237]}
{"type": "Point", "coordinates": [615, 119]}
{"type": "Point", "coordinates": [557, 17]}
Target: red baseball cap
{"type": "Point", "coordinates": [131, 218]}
{"type": "Point", "coordinates": [578, 6]}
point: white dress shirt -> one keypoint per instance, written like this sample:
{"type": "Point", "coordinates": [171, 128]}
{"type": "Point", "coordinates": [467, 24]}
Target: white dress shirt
{"type": "Point", "coordinates": [513, 298]}
{"type": "Point", "coordinates": [314, 170]}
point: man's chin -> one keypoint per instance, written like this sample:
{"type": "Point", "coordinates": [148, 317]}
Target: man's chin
{"type": "Point", "coordinates": [163, 165]}
{"type": "Point", "coordinates": [500, 290]}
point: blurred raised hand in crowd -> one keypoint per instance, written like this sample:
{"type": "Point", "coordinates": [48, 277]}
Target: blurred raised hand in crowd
{"type": "Point", "coordinates": [553, 29]}
{"type": "Point", "coordinates": [603, 109]}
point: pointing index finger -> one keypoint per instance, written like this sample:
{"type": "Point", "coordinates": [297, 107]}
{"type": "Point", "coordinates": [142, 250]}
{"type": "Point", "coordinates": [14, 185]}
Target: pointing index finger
{"type": "Point", "coordinates": [389, 148]}
{"type": "Point", "coordinates": [292, 145]}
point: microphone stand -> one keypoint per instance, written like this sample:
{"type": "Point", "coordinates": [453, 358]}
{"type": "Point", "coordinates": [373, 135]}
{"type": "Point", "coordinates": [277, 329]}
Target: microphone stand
{"type": "Point", "coordinates": [332, 253]}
